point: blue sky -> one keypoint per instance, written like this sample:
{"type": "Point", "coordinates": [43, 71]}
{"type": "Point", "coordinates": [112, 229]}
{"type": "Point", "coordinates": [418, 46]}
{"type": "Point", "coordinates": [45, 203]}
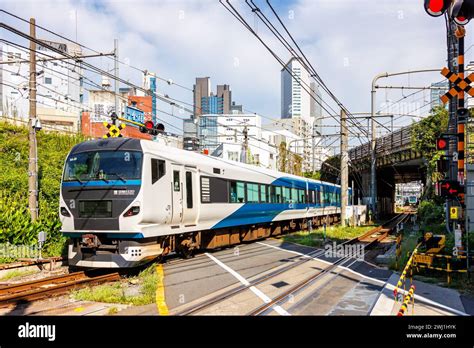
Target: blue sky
{"type": "Point", "coordinates": [348, 42]}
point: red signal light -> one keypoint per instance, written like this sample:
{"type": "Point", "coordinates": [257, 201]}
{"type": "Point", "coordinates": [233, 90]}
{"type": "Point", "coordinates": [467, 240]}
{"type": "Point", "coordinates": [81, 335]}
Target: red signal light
{"type": "Point", "coordinates": [442, 143]}
{"type": "Point", "coordinates": [436, 5]}
{"type": "Point", "coordinates": [149, 125]}
{"type": "Point", "coordinates": [436, 8]}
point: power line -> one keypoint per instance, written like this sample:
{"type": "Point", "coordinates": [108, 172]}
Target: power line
{"type": "Point", "coordinates": [237, 15]}
{"type": "Point", "coordinates": [169, 81]}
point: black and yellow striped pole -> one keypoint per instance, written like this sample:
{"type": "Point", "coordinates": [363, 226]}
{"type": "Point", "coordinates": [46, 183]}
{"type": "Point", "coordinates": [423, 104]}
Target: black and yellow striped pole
{"type": "Point", "coordinates": [460, 32]}
{"type": "Point", "coordinates": [408, 297]}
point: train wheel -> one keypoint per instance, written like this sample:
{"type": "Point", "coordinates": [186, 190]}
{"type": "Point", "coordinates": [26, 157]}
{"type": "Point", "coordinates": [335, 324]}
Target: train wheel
{"type": "Point", "coordinates": [186, 248]}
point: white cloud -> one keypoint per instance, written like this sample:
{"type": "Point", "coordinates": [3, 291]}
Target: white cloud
{"type": "Point", "coordinates": [348, 42]}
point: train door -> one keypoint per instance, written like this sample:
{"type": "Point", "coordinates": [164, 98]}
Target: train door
{"type": "Point", "coordinates": [191, 198]}
{"type": "Point", "coordinates": [176, 194]}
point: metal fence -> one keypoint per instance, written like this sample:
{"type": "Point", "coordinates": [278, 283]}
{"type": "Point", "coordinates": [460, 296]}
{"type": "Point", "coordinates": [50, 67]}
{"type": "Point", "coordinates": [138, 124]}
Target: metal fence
{"type": "Point", "coordinates": [390, 143]}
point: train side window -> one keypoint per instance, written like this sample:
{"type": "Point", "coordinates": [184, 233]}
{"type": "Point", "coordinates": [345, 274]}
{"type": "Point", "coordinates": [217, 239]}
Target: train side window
{"type": "Point", "coordinates": [294, 195]}
{"type": "Point", "coordinates": [286, 195]}
{"type": "Point", "coordinates": [189, 190]}
{"type": "Point", "coordinates": [176, 183]}
{"type": "Point", "coordinates": [158, 170]}
{"type": "Point", "coordinates": [302, 196]}
{"type": "Point", "coordinates": [313, 197]}
{"type": "Point", "coordinates": [263, 194]}
{"type": "Point", "coordinates": [272, 194]}
{"type": "Point", "coordinates": [278, 194]}
{"type": "Point", "coordinates": [252, 193]}
{"type": "Point", "coordinates": [237, 192]}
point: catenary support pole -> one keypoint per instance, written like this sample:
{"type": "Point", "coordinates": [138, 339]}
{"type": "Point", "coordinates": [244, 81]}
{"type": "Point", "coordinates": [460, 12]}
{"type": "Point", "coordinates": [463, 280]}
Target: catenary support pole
{"type": "Point", "coordinates": [344, 166]}
{"type": "Point", "coordinates": [32, 162]}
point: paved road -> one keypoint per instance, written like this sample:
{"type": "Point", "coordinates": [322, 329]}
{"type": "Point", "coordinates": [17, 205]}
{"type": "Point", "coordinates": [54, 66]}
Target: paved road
{"type": "Point", "coordinates": [353, 288]}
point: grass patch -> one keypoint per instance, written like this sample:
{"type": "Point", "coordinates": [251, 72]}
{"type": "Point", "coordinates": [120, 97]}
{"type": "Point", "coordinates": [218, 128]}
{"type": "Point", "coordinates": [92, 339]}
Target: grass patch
{"type": "Point", "coordinates": [117, 292]}
{"type": "Point", "coordinates": [409, 242]}
{"type": "Point", "coordinates": [17, 273]}
{"type": "Point", "coordinates": [333, 233]}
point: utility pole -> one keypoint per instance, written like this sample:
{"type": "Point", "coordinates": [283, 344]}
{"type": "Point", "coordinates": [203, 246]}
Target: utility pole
{"type": "Point", "coordinates": [344, 167]}
{"type": "Point", "coordinates": [116, 73]}
{"type": "Point", "coordinates": [314, 148]}
{"type": "Point", "coordinates": [246, 143]}
{"type": "Point", "coordinates": [32, 162]}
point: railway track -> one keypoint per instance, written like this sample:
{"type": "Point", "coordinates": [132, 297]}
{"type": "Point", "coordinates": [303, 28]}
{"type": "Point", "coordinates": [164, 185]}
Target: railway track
{"type": "Point", "coordinates": [26, 263]}
{"type": "Point", "coordinates": [51, 286]}
{"type": "Point", "coordinates": [369, 239]}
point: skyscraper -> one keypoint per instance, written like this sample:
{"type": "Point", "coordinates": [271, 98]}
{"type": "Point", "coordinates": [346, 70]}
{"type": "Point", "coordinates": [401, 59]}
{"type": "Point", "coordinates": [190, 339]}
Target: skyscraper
{"type": "Point", "coordinates": [202, 88]}
{"type": "Point", "coordinates": [207, 103]}
{"type": "Point", "coordinates": [295, 99]}
{"type": "Point", "coordinates": [301, 109]}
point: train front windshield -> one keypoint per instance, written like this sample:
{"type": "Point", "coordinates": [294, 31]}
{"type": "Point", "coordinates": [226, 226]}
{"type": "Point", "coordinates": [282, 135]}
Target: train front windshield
{"type": "Point", "coordinates": [103, 165]}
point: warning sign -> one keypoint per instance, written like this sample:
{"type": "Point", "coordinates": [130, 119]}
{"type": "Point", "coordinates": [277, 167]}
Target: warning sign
{"type": "Point", "coordinates": [454, 213]}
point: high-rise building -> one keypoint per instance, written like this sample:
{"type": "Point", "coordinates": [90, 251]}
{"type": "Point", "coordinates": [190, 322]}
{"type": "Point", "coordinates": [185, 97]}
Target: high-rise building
{"type": "Point", "coordinates": [301, 109]}
{"type": "Point", "coordinates": [202, 88]}
{"type": "Point", "coordinates": [224, 93]}
{"type": "Point", "coordinates": [295, 99]}
{"type": "Point", "coordinates": [205, 102]}
{"type": "Point", "coordinates": [190, 131]}
{"type": "Point", "coordinates": [436, 93]}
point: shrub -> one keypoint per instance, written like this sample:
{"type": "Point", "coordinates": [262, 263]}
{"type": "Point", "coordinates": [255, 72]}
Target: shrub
{"type": "Point", "coordinates": [16, 226]}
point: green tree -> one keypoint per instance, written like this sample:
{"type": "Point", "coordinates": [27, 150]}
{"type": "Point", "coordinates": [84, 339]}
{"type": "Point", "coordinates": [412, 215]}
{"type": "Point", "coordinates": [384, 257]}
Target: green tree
{"type": "Point", "coordinates": [423, 140]}
{"type": "Point", "coordinates": [282, 157]}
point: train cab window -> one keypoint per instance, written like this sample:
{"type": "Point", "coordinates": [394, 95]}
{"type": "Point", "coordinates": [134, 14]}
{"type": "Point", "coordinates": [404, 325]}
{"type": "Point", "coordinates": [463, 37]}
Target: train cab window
{"type": "Point", "coordinates": [157, 170]}
{"type": "Point", "coordinates": [263, 194]}
{"type": "Point", "coordinates": [252, 193]}
{"type": "Point", "coordinates": [237, 192]}
{"type": "Point", "coordinates": [189, 190]}
{"type": "Point", "coordinates": [176, 181]}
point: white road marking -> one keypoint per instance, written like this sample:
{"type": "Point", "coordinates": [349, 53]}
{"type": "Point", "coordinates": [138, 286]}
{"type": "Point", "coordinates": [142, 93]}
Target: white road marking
{"type": "Point", "coordinates": [385, 284]}
{"type": "Point", "coordinates": [245, 282]}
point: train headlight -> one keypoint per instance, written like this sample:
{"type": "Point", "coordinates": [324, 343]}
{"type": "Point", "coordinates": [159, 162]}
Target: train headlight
{"type": "Point", "coordinates": [64, 212]}
{"type": "Point", "coordinates": [132, 211]}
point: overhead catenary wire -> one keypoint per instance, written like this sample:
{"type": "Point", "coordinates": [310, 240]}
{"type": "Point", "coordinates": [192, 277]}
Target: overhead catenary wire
{"type": "Point", "coordinates": [95, 51]}
{"type": "Point", "coordinates": [306, 64]}
{"type": "Point", "coordinates": [282, 63]}
{"type": "Point", "coordinates": [45, 54]}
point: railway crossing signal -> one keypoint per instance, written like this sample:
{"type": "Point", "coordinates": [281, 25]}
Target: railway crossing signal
{"type": "Point", "coordinates": [436, 8]}
{"type": "Point", "coordinates": [460, 85]}
{"type": "Point", "coordinates": [442, 165]}
{"type": "Point", "coordinates": [442, 143]}
{"type": "Point", "coordinates": [149, 128]}
{"type": "Point", "coordinates": [114, 131]}
{"type": "Point", "coordinates": [449, 188]}
{"type": "Point", "coordinates": [462, 11]}
{"type": "Point", "coordinates": [462, 114]}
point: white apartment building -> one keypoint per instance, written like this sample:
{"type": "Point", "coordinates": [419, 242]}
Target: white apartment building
{"type": "Point", "coordinates": [223, 135]}
{"type": "Point", "coordinates": [59, 85]}
{"type": "Point", "coordinates": [301, 113]}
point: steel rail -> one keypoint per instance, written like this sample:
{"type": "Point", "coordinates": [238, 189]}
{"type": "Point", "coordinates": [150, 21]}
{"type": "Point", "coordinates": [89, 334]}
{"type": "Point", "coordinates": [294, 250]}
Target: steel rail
{"type": "Point", "coordinates": [304, 258]}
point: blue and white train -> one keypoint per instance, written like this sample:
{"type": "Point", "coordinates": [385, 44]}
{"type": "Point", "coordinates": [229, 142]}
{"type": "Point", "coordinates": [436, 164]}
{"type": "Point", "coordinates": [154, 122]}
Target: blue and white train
{"type": "Point", "coordinates": [127, 201]}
